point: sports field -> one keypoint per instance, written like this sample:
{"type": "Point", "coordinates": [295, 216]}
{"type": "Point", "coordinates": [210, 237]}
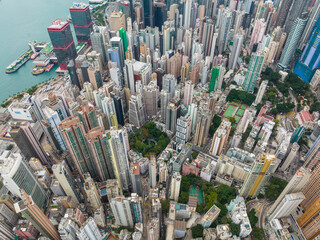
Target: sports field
{"type": "Point", "coordinates": [195, 190]}
{"type": "Point", "coordinates": [229, 111]}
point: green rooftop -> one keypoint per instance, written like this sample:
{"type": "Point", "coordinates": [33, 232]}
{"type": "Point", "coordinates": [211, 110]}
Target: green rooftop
{"type": "Point", "coordinates": [47, 49]}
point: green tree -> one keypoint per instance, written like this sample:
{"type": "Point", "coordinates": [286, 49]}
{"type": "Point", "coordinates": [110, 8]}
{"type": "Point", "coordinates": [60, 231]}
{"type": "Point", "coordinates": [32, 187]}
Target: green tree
{"type": "Point", "coordinates": [223, 210]}
{"type": "Point", "coordinates": [260, 196]}
{"type": "Point", "coordinates": [183, 197]}
{"type": "Point", "coordinates": [224, 220]}
{"type": "Point", "coordinates": [216, 121]}
{"type": "Point", "coordinates": [197, 231]}
{"type": "Point", "coordinates": [194, 155]}
{"type": "Point", "coordinates": [234, 229]}
{"type": "Point", "coordinates": [258, 233]}
{"type": "Point", "coordinates": [225, 193]}
{"type": "Point", "coordinates": [252, 217]}
{"type": "Point", "coordinates": [274, 188]}
{"type": "Point", "coordinates": [165, 206]}
{"type": "Point", "coordinates": [200, 208]}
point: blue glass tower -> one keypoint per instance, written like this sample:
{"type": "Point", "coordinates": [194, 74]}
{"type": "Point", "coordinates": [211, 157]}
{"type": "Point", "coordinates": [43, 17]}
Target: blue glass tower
{"type": "Point", "coordinates": [310, 58]}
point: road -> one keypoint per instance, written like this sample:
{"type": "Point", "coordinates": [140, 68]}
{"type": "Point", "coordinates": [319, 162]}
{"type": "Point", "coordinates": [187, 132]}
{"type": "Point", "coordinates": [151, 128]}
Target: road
{"type": "Point", "coordinates": [294, 100]}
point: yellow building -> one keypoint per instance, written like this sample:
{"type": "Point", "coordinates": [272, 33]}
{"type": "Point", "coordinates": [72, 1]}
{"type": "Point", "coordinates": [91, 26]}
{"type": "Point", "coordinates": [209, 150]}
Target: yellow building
{"type": "Point", "coordinates": [258, 175]}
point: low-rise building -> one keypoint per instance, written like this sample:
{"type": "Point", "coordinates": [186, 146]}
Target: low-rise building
{"type": "Point", "coordinates": [210, 216]}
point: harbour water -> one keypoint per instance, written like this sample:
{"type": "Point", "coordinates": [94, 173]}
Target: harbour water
{"type": "Point", "coordinates": [22, 21]}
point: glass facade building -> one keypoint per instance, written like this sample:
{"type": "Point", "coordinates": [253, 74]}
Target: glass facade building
{"type": "Point", "coordinates": [81, 20]}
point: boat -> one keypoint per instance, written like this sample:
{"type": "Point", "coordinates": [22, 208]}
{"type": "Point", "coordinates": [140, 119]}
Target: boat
{"type": "Point", "coordinates": [37, 70]}
{"type": "Point", "coordinates": [34, 56]}
{"type": "Point", "coordinates": [49, 67]}
{"type": "Point", "coordinates": [15, 65]}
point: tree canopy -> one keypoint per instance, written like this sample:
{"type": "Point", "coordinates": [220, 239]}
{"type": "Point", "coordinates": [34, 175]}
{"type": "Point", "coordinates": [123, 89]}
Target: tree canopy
{"type": "Point", "coordinates": [197, 231]}
{"type": "Point", "coordinates": [226, 194]}
{"type": "Point", "coordinates": [235, 229]}
{"type": "Point", "coordinates": [258, 233]}
{"type": "Point", "coordinates": [274, 188]}
{"type": "Point", "coordinates": [148, 140]}
{"type": "Point", "coordinates": [215, 124]}
{"type": "Point", "coordinates": [241, 97]}
{"type": "Point", "coordinates": [253, 218]}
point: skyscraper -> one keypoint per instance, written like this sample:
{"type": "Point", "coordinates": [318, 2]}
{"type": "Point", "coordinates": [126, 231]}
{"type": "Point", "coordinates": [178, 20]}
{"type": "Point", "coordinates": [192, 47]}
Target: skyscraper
{"type": "Point", "coordinates": [136, 179]}
{"type": "Point", "coordinates": [118, 150]}
{"type": "Point", "coordinates": [291, 156]}
{"type": "Point", "coordinates": [175, 186]}
{"type": "Point", "coordinates": [169, 83]}
{"type": "Point", "coordinates": [35, 215]}
{"type": "Point", "coordinates": [202, 126]}
{"type": "Point", "coordinates": [292, 42]}
{"type": "Point", "coordinates": [150, 98]}
{"type": "Point", "coordinates": [312, 157]}
{"type": "Point", "coordinates": [235, 52]}
{"type": "Point", "coordinates": [89, 230]}
{"type": "Point", "coordinates": [224, 28]}
{"type": "Point", "coordinates": [309, 62]}
{"type": "Point", "coordinates": [295, 185]}
{"type": "Point", "coordinates": [63, 174]}
{"type": "Point", "coordinates": [183, 131]}
{"type": "Point", "coordinates": [81, 20]}
{"type": "Point", "coordinates": [172, 114]}
{"type": "Point", "coordinates": [62, 42]}
{"type": "Point", "coordinates": [54, 122]}
{"type": "Point", "coordinates": [27, 141]}
{"type": "Point", "coordinates": [99, 150]}
{"type": "Point", "coordinates": [73, 133]}
{"type": "Point", "coordinates": [258, 175]}
{"type": "Point", "coordinates": [253, 72]}
{"type": "Point", "coordinates": [262, 89]}
{"type": "Point", "coordinates": [153, 171]}
{"type": "Point", "coordinates": [17, 175]}
{"type": "Point", "coordinates": [220, 138]}
{"type": "Point", "coordinates": [137, 111]}
{"type": "Point", "coordinates": [309, 222]}
{"type": "Point", "coordinates": [148, 13]}
{"type": "Point", "coordinates": [313, 17]}
{"type": "Point", "coordinates": [121, 209]}
{"type": "Point", "coordinates": [258, 31]}
{"type": "Point", "coordinates": [216, 78]}
{"type": "Point", "coordinates": [92, 192]}
{"type": "Point", "coordinates": [289, 203]}
{"type": "Point", "coordinates": [98, 44]}
{"type": "Point", "coordinates": [164, 98]}
{"type": "Point", "coordinates": [188, 93]}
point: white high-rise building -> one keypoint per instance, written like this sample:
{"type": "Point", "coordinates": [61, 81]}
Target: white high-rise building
{"type": "Point", "coordinates": [235, 52]}
{"type": "Point", "coordinates": [262, 90]}
{"type": "Point", "coordinates": [169, 83]}
{"type": "Point", "coordinates": [153, 171]}
{"type": "Point", "coordinates": [137, 110]}
{"type": "Point", "coordinates": [121, 209]}
{"type": "Point", "coordinates": [287, 205]}
{"type": "Point", "coordinates": [296, 184]}
{"type": "Point", "coordinates": [64, 176]}
{"type": "Point", "coordinates": [187, 14]}
{"type": "Point", "coordinates": [119, 156]}
{"type": "Point", "coordinates": [89, 231]}
{"type": "Point", "coordinates": [220, 138]}
{"type": "Point", "coordinates": [16, 175]}
{"type": "Point", "coordinates": [291, 156]}
{"type": "Point", "coordinates": [188, 93]}
{"type": "Point", "coordinates": [175, 186]}
{"type": "Point", "coordinates": [92, 192]}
